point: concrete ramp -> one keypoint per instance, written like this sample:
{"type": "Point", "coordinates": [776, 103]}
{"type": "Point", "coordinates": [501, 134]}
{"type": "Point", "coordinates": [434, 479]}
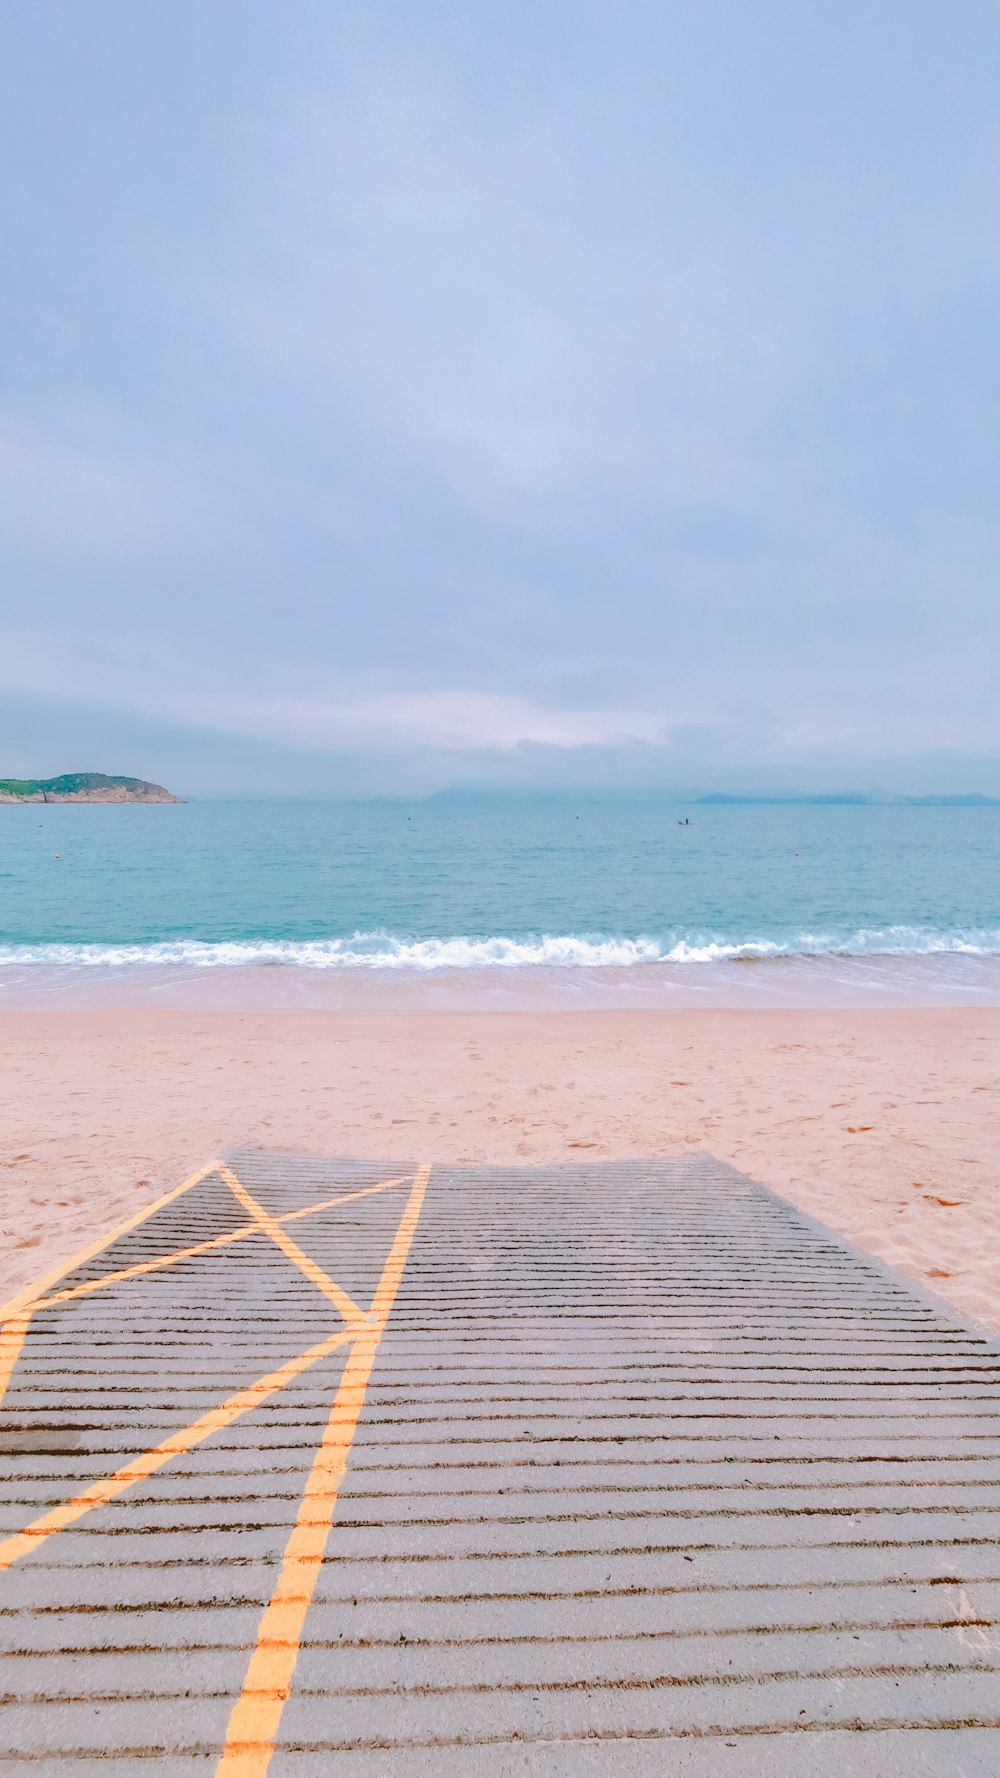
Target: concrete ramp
{"type": "Point", "coordinates": [330, 1469]}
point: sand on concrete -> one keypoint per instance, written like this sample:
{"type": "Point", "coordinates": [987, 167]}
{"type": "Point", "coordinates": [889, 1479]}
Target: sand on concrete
{"type": "Point", "coordinates": [884, 1124]}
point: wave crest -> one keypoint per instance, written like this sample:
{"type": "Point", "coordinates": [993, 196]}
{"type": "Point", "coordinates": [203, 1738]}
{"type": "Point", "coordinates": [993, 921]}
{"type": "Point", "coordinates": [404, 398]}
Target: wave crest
{"type": "Point", "coordinates": [388, 951]}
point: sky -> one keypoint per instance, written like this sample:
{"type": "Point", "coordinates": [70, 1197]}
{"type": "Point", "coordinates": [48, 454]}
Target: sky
{"type": "Point", "coordinates": [399, 397]}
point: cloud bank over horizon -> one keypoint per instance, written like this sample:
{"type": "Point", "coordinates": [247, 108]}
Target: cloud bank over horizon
{"type": "Point", "coordinates": [399, 399]}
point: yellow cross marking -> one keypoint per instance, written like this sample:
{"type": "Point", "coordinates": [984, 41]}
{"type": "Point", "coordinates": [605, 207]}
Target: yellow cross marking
{"type": "Point", "coordinates": [256, 1715]}
{"type": "Point", "coordinates": [18, 1311]}
{"type": "Point", "coordinates": [346, 1305]}
{"type": "Point", "coordinates": [21, 1308]}
{"type": "Point", "coordinates": [170, 1259]}
{"type": "Point", "coordinates": [34, 1291]}
{"type": "Point", "coordinates": [109, 1487]}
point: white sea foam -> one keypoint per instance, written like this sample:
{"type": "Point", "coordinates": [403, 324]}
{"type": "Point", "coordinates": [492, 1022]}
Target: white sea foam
{"type": "Point", "coordinates": [385, 951]}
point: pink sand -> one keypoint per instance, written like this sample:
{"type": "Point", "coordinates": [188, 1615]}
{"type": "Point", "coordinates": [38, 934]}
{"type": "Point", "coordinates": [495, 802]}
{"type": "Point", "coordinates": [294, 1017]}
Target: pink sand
{"type": "Point", "coordinates": [885, 1124]}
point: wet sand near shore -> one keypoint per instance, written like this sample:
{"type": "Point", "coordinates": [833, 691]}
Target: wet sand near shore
{"type": "Point", "coordinates": [884, 1124]}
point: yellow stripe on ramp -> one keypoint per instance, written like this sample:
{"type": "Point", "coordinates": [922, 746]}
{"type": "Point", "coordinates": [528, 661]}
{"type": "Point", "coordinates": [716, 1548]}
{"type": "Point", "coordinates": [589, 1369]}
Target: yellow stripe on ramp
{"type": "Point", "coordinates": [12, 1548]}
{"type": "Point", "coordinates": [256, 1715]}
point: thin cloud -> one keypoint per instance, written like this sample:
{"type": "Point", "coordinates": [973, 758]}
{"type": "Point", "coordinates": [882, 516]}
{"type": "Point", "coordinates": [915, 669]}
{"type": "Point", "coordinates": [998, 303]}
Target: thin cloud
{"type": "Point", "coordinates": [600, 395]}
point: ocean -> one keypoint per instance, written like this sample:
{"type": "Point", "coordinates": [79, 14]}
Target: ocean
{"type": "Point", "coordinates": [502, 899]}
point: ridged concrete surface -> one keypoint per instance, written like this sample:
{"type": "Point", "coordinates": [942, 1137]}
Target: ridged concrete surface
{"type": "Point", "coordinates": [653, 1476]}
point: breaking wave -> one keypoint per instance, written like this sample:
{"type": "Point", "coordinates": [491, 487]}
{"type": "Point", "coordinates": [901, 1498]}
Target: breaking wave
{"type": "Point", "coordinates": [387, 951]}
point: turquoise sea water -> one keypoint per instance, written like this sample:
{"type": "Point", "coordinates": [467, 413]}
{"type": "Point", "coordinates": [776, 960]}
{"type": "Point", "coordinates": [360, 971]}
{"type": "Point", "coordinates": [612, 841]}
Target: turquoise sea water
{"type": "Point", "coordinates": [594, 882]}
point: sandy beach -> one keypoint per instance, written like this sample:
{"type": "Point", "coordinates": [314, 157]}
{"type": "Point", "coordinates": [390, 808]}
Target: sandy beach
{"type": "Point", "coordinates": [884, 1124]}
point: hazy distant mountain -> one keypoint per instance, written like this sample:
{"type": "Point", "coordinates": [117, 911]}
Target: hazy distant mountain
{"type": "Point", "coordinates": [865, 798]}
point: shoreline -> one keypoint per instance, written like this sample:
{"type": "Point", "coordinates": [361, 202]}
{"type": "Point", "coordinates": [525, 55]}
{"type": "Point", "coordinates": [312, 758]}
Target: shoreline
{"type": "Point", "coordinates": [821, 981]}
{"type": "Point", "coordinates": [884, 1124]}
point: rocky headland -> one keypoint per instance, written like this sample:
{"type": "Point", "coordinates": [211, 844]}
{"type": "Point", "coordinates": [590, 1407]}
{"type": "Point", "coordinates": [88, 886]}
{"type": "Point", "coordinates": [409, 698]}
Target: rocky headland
{"type": "Point", "coordinates": [83, 787]}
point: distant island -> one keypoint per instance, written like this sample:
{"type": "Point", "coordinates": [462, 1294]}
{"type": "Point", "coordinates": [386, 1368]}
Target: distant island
{"type": "Point", "coordinates": [877, 799]}
{"type": "Point", "coordinates": [83, 787]}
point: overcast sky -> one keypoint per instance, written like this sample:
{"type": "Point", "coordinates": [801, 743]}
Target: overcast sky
{"type": "Point", "coordinates": [404, 395]}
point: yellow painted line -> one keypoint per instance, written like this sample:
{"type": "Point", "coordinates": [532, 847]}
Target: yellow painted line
{"type": "Point", "coordinates": [169, 1259]}
{"type": "Point", "coordinates": [15, 1316]}
{"type": "Point", "coordinates": [34, 1291]}
{"type": "Point", "coordinates": [149, 1265]}
{"type": "Point", "coordinates": [256, 1715]}
{"type": "Point", "coordinates": [33, 1535]}
{"type": "Point", "coordinates": [392, 1272]}
{"type": "Point", "coordinates": [345, 1304]}
{"type": "Point", "coordinates": [11, 1340]}
{"type": "Point", "coordinates": [331, 1203]}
